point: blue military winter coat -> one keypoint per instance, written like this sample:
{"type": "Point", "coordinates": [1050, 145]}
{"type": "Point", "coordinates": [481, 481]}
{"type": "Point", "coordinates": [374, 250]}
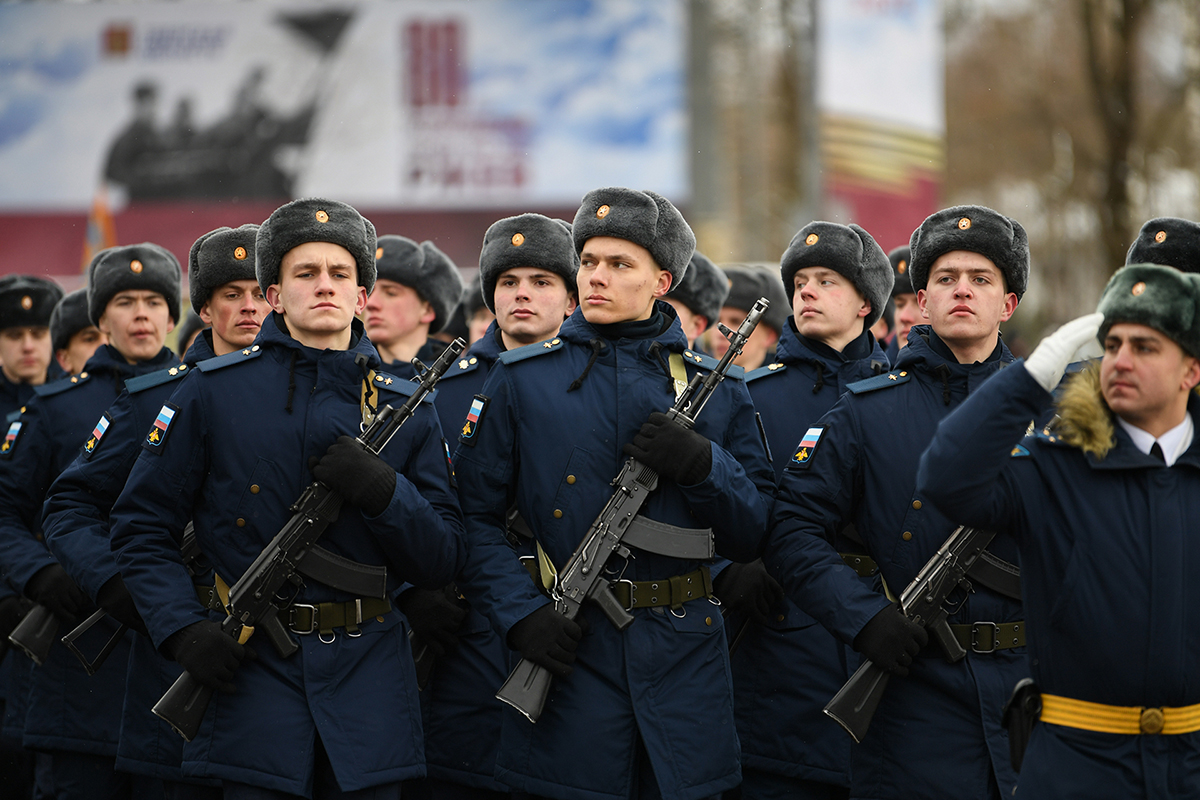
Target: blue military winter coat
{"type": "Point", "coordinates": [784, 672]}
{"type": "Point", "coordinates": [1109, 555]}
{"type": "Point", "coordinates": [76, 524]}
{"type": "Point", "coordinates": [462, 716]}
{"type": "Point", "coordinates": [235, 475]}
{"type": "Point", "coordinates": [937, 733]}
{"type": "Point", "coordinates": [664, 680]}
{"type": "Point", "coordinates": [68, 710]}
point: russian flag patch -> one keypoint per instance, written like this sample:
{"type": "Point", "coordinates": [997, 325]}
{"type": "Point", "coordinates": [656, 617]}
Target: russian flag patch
{"type": "Point", "coordinates": [160, 428]}
{"type": "Point", "coordinates": [803, 454]}
{"type": "Point", "coordinates": [474, 416]}
{"type": "Point", "coordinates": [93, 441]}
{"type": "Point", "coordinates": [10, 438]}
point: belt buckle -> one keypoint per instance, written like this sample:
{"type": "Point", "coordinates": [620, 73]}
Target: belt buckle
{"type": "Point", "coordinates": [631, 590]}
{"type": "Point", "coordinates": [292, 618]}
{"type": "Point", "coordinates": [975, 627]}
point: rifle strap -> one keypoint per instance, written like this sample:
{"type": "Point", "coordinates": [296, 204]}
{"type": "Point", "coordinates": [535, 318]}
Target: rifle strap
{"type": "Point", "coordinates": [370, 398]}
{"type": "Point", "coordinates": [546, 571]}
{"type": "Point", "coordinates": [678, 373]}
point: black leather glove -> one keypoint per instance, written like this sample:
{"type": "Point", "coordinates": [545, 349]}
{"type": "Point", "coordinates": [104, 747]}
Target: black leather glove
{"type": "Point", "coordinates": [363, 479]}
{"type": "Point", "coordinates": [548, 639]}
{"type": "Point", "coordinates": [891, 640]}
{"type": "Point", "coordinates": [12, 610]}
{"type": "Point", "coordinates": [748, 590]}
{"type": "Point", "coordinates": [211, 656]}
{"type": "Point", "coordinates": [114, 598]}
{"type": "Point", "coordinates": [671, 450]}
{"type": "Point", "coordinates": [53, 588]}
{"type": "Point", "coordinates": [434, 618]}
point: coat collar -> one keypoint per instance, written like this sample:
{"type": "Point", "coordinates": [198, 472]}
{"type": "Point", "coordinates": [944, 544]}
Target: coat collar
{"type": "Point", "coordinates": [578, 330]}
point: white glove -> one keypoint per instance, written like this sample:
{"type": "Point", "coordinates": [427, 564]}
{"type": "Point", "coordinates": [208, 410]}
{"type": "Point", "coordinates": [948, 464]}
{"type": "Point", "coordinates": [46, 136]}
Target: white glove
{"type": "Point", "coordinates": [1050, 358]}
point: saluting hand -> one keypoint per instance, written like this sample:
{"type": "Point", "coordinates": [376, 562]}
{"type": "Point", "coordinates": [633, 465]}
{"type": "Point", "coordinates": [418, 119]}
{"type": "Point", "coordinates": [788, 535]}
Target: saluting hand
{"type": "Point", "coordinates": [673, 451]}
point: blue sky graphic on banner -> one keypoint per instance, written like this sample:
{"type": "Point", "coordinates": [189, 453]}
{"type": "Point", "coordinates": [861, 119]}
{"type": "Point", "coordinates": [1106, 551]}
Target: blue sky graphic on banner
{"type": "Point", "coordinates": [399, 104]}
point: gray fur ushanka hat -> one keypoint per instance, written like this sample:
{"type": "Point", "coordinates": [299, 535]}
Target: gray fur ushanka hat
{"type": "Point", "coordinates": [703, 289]}
{"type": "Point", "coordinates": [425, 269]}
{"type": "Point", "coordinates": [526, 240]}
{"type": "Point", "coordinates": [27, 301]}
{"type": "Point", "coordinates": [1158, 297]}
{"type": "Point", "coordinates": [133, 267]}
{"type": "Point", "coordinates": [976, 229]}
{"type": "Point", "coordinates": [1168, 241]}
{"type": "Point", "coordinates": [900, 257]}
{"type": "Point", "coordinates": [69, 318]}
{"type": "Point", "coordinates": [749, 282]}
{"type": "Point", "coordinates": [644, 218]}
{"type": "Point", "coordinates": [219, 257]}
{"type": "Point", "coordinates": [314, 219]}
{"type": "Point", "coordinates": [847, 250]}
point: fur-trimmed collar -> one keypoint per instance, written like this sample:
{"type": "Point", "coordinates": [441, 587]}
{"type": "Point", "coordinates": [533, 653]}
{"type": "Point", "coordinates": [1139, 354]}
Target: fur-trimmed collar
{"type": "Point", "coordinates": [1084, 420]}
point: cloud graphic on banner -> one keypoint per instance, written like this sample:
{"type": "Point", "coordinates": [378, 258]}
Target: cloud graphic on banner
{"type": "Point", "coordinates": [19, 115]}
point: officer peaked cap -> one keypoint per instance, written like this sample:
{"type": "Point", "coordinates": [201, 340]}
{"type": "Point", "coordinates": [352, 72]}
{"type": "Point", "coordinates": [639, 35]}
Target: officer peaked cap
{"type": "Point", "coordinates": [27, 301]}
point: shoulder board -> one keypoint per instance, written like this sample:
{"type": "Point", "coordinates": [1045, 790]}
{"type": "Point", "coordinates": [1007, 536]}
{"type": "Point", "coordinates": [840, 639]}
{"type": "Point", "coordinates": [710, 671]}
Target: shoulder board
{"type": "Point", "coordinates": [143, 382]}
{"type": "Point", "coordinates": [236, 357]}
{"type": "Point", "coordinates": [463, 366]}
{"type": "Point", "coordinates": [390, 383]}
{"type": "Point", "coordinates": [531, 350]}
{"type": "Point", "coordinates": [708, 362]}
{"type": "Point", "coordinates": [762, 372]}
{"type": "Point", "coordinates": [61, 385]}
{"type": "Point", "coordinates": [15, 415]}
{"type": "Point", "coordinates": [883, 381]}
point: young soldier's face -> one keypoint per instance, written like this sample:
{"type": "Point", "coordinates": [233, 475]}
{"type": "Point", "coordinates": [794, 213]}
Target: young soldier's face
{"type": "Point", "coordinates": [136, 322]}
{"type": "Point", "coordinates": [908, 313]}
{"type": "Point", "coordinates": [827, 307]}
{"type": "Point", "coordinates": [531, 303]}
{"type": "Point", "coordinates": [82, 345]}
{"type": "Point", "coordinates": [478, 324]}
{"type": "Point", "coordinates": [25, 353]}
{"type": "Point", "coordinates": [235, 311]}
{"type": "Point", "coordinates": [618, 281]}
{"type": "Point", "coordinates": [965, 299]}
{"type": "Point", "coordinates": [318, 292]}
{"type": "Point", "coordinates": [395, 310]}
{"type": "Point", "coordinates": [754, 351]}
{"type": "Point", "coordinates": [1145, 376]}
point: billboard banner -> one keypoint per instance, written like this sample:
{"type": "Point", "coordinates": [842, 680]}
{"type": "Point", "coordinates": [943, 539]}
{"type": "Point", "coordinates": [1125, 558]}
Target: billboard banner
{"type": "Point", "coordinates": [880, 97]}
{"type": "Point", "coordinates": [405, 104]}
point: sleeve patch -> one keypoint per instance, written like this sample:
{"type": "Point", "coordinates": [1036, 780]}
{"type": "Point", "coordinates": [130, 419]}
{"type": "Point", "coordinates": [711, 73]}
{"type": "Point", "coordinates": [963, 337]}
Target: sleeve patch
{"type": "Point", "coordinates": [10, 438]}
{"type": "Point", "coordinates": [93, 441]}
{"type": "Point", "coordinates": [161, 427]}
{"type": "Point", "coordinates": [1020, 451]}
{"type": "Point", "coordinates": [808, 446]}
{"type": "Point", "coordinates": [474, 418]}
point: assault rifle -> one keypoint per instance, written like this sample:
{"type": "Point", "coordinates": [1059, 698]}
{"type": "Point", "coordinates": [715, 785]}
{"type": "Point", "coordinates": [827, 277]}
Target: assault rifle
{"type": "Point", "coordinates": [255, 600]}
{"type": "Point", "coordinates": [923, 602]}
{"type": "Point", "coordinates": [619, 525]}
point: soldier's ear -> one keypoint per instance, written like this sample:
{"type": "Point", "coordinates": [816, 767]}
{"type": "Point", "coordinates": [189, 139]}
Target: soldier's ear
{"type": "Point", "coordinates": [272, 296]}
{"type": "Point", "coordinates": [665, 279]}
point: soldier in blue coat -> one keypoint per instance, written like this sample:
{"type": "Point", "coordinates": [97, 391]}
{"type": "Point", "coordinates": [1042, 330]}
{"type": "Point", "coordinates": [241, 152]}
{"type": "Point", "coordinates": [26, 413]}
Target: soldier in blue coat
{"type": "Point", "coordinates": [73, 719]}
{"type": "Point", "coordinates": [699, 297]}
{"type": "Point", "coordinates": [937, 732]}
{"type": "Point", "coordinates": [527, 277]}
{"type": "Point", "coordinates": [340, 717]}
{"type": "Point", "coordinates": [904, 301]}
{"type": "Point", "coordinates": [72, 333]}
{"type": "Point", "coordinates": [1103, 504]}
{"type": "Point", "coordinates": [786, 666]}
{"type": "Point", "coordinates": [225, 294]}
{"type": "Point", "coordinates": [415, 295]}
{"type": "Point", "coordinates": [647, 711]}
{"type": "Point", "coordinates": [26, 306]}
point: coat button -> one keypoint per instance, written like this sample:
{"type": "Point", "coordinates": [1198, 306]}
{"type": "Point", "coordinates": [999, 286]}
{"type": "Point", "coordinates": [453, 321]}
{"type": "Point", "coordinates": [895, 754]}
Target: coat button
{"type": "Point", "coordinates": [241, 523]}
{"type": "Point", "coordinates": [558, 513]}
{"type": "Point", "coordinates": [906, 536]}
{"type": "Point", "coordinates": [379, 619]}
{"type": "Point", "coordinates": [571, 479]}
{"type": "Point", "coordinates": [254, 488]}
{"type": "Point", "coordinates": [917, 505]}
{"type": "Point", "coordinates": [780, 618]}
{"type": "Point", "coordinates": [708, 620]}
